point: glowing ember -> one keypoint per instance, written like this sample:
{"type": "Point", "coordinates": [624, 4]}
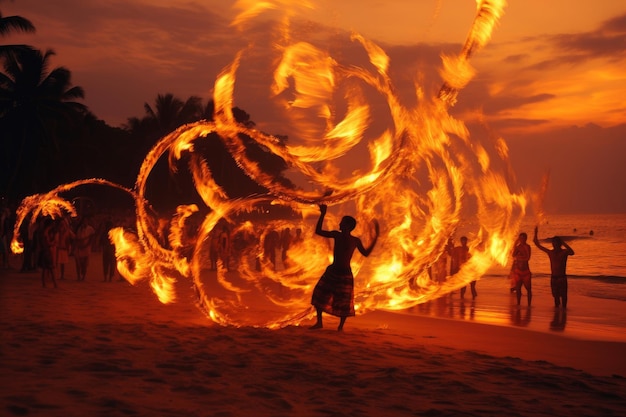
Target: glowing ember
{"type": "Point", "coordinates": [426, 181]}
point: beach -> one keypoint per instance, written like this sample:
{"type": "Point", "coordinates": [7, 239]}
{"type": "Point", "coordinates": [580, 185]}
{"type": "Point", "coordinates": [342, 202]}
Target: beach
{"type": "Point", "coordinates": [98, 348]}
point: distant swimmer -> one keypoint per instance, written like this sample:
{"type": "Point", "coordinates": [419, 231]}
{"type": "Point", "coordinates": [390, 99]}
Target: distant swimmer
{"type": "Point", "coordinates": [558, 265]}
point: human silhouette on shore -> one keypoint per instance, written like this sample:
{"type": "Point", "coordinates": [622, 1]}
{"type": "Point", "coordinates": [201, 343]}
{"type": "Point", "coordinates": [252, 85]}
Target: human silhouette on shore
{"type": "Point", "coordinates": [334, 292]}
{"type": "Point", "coordinates": [439, 269]}
{"type": "Point", "coordinates": [6, 228]}
{"type": "Point", "coordinates": [558, 265]}
{"type": "Point", "coordinates": [520, 270]}
{"type": "Point", "coordinates": [66, 237]}
{"type": "Point", "coordinates": [28, 230]}
{"type": "Point", "coordinates": [270, 244]}
{"type": "Point", "coordinates": [224, 248]}
{"type": "Point", "coordinates": [109, 262]}
{"type": "Point", "coordinates": [49, 238]}
{"type": "Point", "coordinates": [458, 256]}
{"type": "Point", "coordinates": [285, 242]}
{"type": "Point", "coordinates": [83, 239]}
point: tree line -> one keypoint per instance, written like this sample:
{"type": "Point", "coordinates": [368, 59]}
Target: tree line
{"type": "Point", "coordinates": [47, 137]}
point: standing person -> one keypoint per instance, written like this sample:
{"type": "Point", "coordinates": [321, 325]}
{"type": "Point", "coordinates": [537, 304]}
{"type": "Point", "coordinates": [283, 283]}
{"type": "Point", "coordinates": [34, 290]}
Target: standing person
{"type": "Point", "coordinates": [109, 263]}
{"type": "Point", "coordinates": [520, 270]}
{"type": "Point", "coordinates": [558, 265]}
{"type": "Point", "coordinates": [82, 247]}
{"type": "Point", "coordinates": [334, 292]}
{"type": "Point", "coordinates": [458, 256]}
{"type": "Point", "coordinates": [439, 269]}
{"type": "Point", "coordinates": [65, 238]}
{"type": "Point", "coordinates": [270, 244]}
{"type": "Point", "coordinates": [214, 245]}
{"type": "Point", "coordinates": [27, 231]}
{"type": "Point", "coordinates": [224, 247]}
{"type": "Point", "coordinates": [5, 236]}
{"type": "Point", "coordinates": [49, 237]}
{"type": "Point", "coordinates": [285, 242]}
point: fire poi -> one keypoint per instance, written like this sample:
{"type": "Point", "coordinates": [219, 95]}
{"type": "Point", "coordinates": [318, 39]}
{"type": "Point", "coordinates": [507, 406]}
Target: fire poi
{"type": "Point", "coordinates": [424, 179]}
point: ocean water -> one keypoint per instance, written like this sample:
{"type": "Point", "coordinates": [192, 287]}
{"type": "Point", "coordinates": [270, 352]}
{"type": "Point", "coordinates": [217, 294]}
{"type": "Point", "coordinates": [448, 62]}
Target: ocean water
{"type": "Point", "coordinates": [597, 284]}
{"type": "Point", "coordinates": [598, 240]}
{"type": "Point", "coordinates": [599, 244]}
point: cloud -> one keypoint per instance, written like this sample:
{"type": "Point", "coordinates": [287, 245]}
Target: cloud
{"type": "Point", "coordinates": [551, 80]}
{"type": "Point", "coordinates": [608, 42]}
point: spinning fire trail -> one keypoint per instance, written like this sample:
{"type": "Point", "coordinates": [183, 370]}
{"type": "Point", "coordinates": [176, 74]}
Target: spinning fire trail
{"type": "Point", "coordinates": [425, 179]}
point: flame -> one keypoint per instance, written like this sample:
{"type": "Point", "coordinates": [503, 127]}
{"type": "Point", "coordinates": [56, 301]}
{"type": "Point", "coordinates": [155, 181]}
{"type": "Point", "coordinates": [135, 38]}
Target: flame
{"type": "Point", "coordinates": [426, 181]}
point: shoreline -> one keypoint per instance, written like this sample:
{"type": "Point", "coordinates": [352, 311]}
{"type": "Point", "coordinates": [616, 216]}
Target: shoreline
{"type": "Point", "coordinates": [458, 324]}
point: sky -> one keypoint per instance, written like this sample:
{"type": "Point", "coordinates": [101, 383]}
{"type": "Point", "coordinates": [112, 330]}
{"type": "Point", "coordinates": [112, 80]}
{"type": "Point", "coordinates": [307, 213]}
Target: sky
{"type": "Point", "coordinates": [551, 80]}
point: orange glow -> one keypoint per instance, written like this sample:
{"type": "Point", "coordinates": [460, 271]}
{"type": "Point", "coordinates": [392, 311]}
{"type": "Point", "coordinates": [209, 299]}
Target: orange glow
{"type": "Point", "coordinates": [425, 180]}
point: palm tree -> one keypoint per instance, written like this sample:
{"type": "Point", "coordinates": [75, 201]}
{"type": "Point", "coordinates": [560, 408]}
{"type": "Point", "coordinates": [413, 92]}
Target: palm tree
{"type": "Point", "coordinates": [171, 112]}
{"type": "Point", "coordinates": [9, 24]}
{"type": "Point", "coordinates": [168, 113]}
{"type": "Point", "coordinates": [37, 110]}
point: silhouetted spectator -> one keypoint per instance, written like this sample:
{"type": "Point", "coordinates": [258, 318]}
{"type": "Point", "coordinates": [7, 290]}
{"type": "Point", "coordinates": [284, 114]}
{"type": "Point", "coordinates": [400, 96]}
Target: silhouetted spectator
{"type": "Point", "coordinates": [558, 265]}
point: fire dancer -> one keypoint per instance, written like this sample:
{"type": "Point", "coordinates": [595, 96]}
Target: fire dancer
{"type": "Point", "coordinates": [558, 264]}
{"type": "Point", "coordinates": [520, 271]}
{"type": "Point", "coordinates": [334, 292]}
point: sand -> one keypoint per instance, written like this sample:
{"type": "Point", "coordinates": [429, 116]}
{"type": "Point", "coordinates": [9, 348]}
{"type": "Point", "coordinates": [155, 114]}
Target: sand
{"type": "Point", "coordinates": [111, 349]}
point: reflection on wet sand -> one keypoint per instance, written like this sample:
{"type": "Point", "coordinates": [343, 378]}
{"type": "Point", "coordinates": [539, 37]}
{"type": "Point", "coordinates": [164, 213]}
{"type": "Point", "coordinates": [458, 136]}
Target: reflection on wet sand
{"type": "Point", "coordinates": [447, 307]}
{"type": "Point", "coordinates": [520, 316]}
{"type": "Point", "coordinates": [559, 319]}
{"type": "Point", "coordinates": [487, 311]}
{"type": "Point", "coordinates": [589, 318]}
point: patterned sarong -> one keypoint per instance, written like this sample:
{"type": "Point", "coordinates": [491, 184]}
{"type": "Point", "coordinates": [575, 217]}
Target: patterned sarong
{"type": "Point", "coordinates": [520, 274]}
{"type": "Point", "coordinates": [334, 292]}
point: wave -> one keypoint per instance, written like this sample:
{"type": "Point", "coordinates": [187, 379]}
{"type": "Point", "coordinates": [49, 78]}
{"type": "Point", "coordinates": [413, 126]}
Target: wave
{"type": "Point", "coordinates": [609, 279]}
{"type": "Point", "coordinates": [606, 295]}
{"type": "Point", "coordinates": [567, 238]}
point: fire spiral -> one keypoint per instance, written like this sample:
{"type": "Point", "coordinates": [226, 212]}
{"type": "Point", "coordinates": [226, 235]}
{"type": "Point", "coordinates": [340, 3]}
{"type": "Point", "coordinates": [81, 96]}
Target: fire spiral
{"type": "Point", "coordinates": [358, 148]}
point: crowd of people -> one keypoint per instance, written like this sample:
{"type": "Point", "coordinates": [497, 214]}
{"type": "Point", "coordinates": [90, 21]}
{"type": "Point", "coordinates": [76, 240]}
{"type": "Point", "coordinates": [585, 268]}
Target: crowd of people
{"type": "Point", "coordinates": [49, 244]}
{"type": "Point", "coordinates": [520, 275]}
{"type": "Point", "coordinates": [228, 243]}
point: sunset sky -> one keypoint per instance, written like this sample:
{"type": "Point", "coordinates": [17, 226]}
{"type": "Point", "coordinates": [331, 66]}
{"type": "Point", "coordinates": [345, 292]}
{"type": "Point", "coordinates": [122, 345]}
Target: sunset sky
{"type": "Point", "coordinates": [551, 81]}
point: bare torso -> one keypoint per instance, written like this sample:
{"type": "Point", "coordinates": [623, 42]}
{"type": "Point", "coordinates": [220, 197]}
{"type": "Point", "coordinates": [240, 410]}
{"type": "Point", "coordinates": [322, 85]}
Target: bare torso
{"type": "Point", "coordinates": [344, 247]}
{"type": "Point", "coordinates": [558, 261]}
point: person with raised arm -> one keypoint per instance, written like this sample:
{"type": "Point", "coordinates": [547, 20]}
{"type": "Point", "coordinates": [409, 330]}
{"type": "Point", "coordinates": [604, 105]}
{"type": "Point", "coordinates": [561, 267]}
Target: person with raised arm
{"type": "Point", "coordinates": [558, 265]}
{"type": "Point", "coordinates": [334, 292]}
